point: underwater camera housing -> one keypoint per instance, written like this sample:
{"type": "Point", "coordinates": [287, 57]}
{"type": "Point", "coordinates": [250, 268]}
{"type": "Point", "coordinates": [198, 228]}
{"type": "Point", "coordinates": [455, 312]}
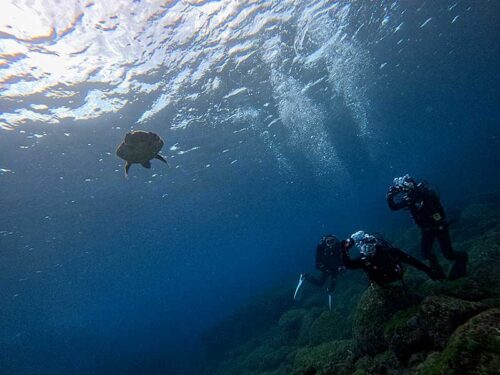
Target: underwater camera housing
{"type": "Point", "coordinates": [404, 183]}
{"type": "Point", "coordinates": [401, 188]}
{"type": "Point", "coordinates": [401, 196]}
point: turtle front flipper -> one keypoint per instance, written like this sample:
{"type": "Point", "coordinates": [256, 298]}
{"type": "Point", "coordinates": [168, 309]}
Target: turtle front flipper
{"type": "Point", "coordinates": [159, 157]}
{"type": "Point", "coordinates": [146, 164]}
{"type": "Point", "coordinates": [127, 167]}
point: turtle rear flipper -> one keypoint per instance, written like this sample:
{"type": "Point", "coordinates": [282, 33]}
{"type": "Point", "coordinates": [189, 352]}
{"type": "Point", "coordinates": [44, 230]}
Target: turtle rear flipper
{"type": "Point", "coordinates": [127, 167]}
{"type": "Point", "coordinates": [146, 164]}
{"type": "Point", "coordinates": [159, 157]}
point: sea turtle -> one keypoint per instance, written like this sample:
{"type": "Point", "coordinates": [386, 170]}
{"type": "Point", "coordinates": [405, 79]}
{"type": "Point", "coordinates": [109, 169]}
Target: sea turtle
{"type": "Point", "coordinates": [140, 147]}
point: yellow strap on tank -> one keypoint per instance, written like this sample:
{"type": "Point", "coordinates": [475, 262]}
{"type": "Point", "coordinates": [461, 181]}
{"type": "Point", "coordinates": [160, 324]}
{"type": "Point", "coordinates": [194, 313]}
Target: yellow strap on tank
{"type": "Point", "coordinates": [437, 216]}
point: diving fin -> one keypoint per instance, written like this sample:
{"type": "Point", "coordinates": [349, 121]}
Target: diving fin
{"type": "Point", "coordinates": [159, 157]}
{"type": "Point", "coordinates": [297, 294]}
{"type": "Point", "coordinates": [146, 164]}
{"type": "Point", "coordinates": [458, 270]}
{"type": "Point", "coordinates": [436, 268]}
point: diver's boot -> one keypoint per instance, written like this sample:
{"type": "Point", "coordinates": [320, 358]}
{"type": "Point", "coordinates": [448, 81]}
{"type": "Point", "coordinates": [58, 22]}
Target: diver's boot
{"type": "Point", "coordinates": [459, 269]}
{"type": "Point", "coordinates": [436, 268]}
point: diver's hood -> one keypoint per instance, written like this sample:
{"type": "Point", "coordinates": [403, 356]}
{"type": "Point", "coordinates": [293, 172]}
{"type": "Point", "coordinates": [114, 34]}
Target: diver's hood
{"type": "Point", "coordinates": [330, 241]}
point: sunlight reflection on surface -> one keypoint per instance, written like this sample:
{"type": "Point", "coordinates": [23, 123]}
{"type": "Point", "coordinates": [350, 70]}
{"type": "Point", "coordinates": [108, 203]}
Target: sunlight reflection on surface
{"type": "Point", "coordinates": [53, 48]}
{"type": "Point", "coordinates": [198, 61]}
{"type": "Point", "coordinates": [49, 47]}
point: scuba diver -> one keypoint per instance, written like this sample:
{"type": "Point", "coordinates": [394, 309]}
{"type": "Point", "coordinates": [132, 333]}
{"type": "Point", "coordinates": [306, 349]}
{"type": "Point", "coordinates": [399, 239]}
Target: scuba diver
{"type": "Point", "coordinates": [380, 260]}
{"type": "Point", "coordinates": [428, 213]}
{"type": "Point", "coordinates": [328, 261]}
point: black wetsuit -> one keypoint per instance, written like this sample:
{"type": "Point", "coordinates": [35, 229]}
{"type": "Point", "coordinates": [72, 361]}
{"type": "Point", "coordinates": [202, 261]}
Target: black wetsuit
{"type": "Point", "coordinates": [428, 214]}
{"type": "Point", "coordinates": [328, 261]}
{"type": "Point", "coordinates": [385, 265]}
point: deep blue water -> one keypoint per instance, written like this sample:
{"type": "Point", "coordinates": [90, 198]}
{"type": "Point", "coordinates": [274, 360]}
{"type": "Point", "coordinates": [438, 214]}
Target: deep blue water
{"type": "Point", "coordinates": [103, 275]}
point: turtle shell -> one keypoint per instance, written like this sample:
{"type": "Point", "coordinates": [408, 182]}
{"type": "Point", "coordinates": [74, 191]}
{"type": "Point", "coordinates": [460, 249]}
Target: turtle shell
{"type": "Point", "coordinates": [139, 146]}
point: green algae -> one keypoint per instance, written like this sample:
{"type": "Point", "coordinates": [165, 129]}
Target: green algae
{"type": "Point", "coordinates": [375, 307]}
{"type": "Point", "coordinates": [399, 319]}
{"type": "Point", "coordinates": [320, 356]}
{"type": "Point", "coordinates": [473, 349]}
{"type": "Point", "coordinates": [330, 325]}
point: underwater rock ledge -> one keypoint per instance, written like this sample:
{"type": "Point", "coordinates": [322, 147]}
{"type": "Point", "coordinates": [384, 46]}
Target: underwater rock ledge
{"type": "Point", "coordinates": [434, 328]}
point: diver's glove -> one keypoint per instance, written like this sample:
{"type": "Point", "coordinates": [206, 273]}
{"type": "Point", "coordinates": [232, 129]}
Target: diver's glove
{"type": "Point", "coordinates": [394, 190]}
{"type": "Point", "coordinates": [345, 245]}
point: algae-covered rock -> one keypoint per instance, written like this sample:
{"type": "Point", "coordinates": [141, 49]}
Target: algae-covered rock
{"type": "Point", "coordinates": [330, 325]}
{"type": "Point", "coordinates": [291, 322]}
{"type": "Point", "coordinates": [478, 218]}
{"type": "Point", "coordinates": [406, 341]}
{"type": "Point", "coordinates": [246, 323]}
{"type": "Point", "coordinates": [376, 306]}
{"type": "Point", "coordinates": [382, 363]}
{"type": "Point", "coordinates": [296, 323]}
{"type": "Point", "coordinates": [484, 261]}
{"type": "Point", "coordinates": [402, 318]}
{"type": "Point", "coordinates": [440, 315]}
{"type": "Point", "coordinates": [315, 299]}
{"type": "Point", "coordinates": [307, 322]}
{"type": "Point", "coordinates": [466, 288]}
{"type": "Point", "coordinates": [265, 358]}
{"type": "Point", "coordinates": [416, 359]}
{"type": "Point", "coordinates": [473, 349]}
{"type": "Point", "coordinates": [322, 358]}
{"type": "Point", "coordinates": [491, 302]}
{"type": "Point", "coordinates": [480, 230]}
{"type": "Point", "coordinates": [405, 335]}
